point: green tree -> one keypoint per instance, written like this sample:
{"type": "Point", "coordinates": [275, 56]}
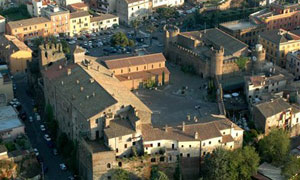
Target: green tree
{"type": "Point", "coordinates": [168, 12]}
{"type": "Point", "coordinates": [275, 147]}
{"type": "Point", "coordinates": [241, 62]}
{"type": "Point", "coordinates": [216, 166]}
{"type": "Point", "coordinates": [38, 41]}
{"type": "Point", "coordinates": [120, 174]}
{"type": "Point", "coordinates": [151, 29]}
{"type": "Point", "coordinates": [244, 163]}
{"type": "Point", "coordinates": [65, 47]}
{"type": "Point", "coordinates": [49, 112]}
{"type": "Point", "coordinates": [177, 174]}
{"type": "Point", "coordinates": [135, 24]}
{"type": "Point", "coordinates": [120, 39]}
{"type": "Point", "coordinates": [157, 175]}
{"type": "Point", "coordinates": [291, 167]}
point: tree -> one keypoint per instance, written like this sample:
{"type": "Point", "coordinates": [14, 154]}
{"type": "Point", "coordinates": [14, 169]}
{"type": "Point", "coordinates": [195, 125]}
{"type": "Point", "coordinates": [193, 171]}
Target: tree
{"type": "Point", "coordinates": [291, 167]}
{"type": "Point", "coordinates": [65, 47]}
{"type": "Point", "coordinates": [177, 173]}
{"type": "Point", "coordinates": [157, 175]}
{"type": "Point", "coordinates": [120, 39]}
{"type": "Point", "coordinates": [49, 112]}
{"type": "Point", "coordinates": [244, 163]}
{"type": "Point", "coordinates": [151, 28]}
{"type": "Point", "coordinates": [216, 166]}
{"type": "Point", "coordinates": [275, 147]}
{"type": "Point", "coordinates": [38, 41]}
{"type": "Point", "coordinates": [120, 174]}
{"type": "Point", "coordinates": [241, 62]}
{"type": "Point", "coordinates": [168, 12]}
{"type": "Point", "coordinates": [135, 24]}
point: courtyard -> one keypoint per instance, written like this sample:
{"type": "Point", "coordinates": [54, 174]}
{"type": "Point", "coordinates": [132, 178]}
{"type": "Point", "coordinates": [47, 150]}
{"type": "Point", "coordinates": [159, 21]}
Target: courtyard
{"type": "Point", "coordinates": [184, 96]}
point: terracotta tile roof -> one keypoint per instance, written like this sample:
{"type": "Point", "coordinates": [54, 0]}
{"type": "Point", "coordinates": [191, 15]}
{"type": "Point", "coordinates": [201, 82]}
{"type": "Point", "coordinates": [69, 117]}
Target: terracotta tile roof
{"type": "Point", "coordinates": [134, 61]}
{"type": "Point", "coordinates": [227, 138]}
{"type": "Point", "coordinates": [28, 22]}
{"type": "Point", "coordinates": [257, 80]}
{"type": "Point", "coordinates": [205, 131]}
{"type": "Point", "coordinates": [103, 17]}
{"type": "Point", "coordinates": [78, 5]}
{"type": "Point", "coordinates": [144, 75]}
{"type": "Point", "coordinates": [79, 14]}
{"type": "Point", "coordinates": [117, 128]}
{"type": "Point", "coordinates": [272, 107]}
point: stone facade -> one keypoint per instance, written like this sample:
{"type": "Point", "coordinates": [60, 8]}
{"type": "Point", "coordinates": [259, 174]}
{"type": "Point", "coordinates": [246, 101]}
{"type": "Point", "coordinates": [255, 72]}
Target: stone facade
{"type": "Point", "coordinates": [208, 56]}
{"type": "Point", "coordinates": [50, 53]}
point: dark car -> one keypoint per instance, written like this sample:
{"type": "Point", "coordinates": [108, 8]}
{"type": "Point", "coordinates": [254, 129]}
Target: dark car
{"type": "Point", "coordinates": [45, 169]}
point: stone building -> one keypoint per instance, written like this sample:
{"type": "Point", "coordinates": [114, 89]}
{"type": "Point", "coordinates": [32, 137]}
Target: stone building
{"type": "Point", "coordinates": [210, 52]}
{"type": "Point", "coordinates": [293, 63]}
{"type": "Point", "coordinates": [50, 53]}
{"type": "Point", "coordinates": [6, 89]}
{"type": "Point", "coordinates": [192, 140]}
{"type": "Point", "coordinates": [278, 43]}
{"type": "Point", "coordinates": [244, 30]}
{"type": "Point", "coordinates": [276, 113]}
{"type": "Point", "coordinates": [134, 72]}
{"type": "Point", "coordinates": [15, 53]}
{"type": "Point", "coordinates": [278, 16]}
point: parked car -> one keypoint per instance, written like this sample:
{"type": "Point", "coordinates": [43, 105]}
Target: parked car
{"type": "Point", "coordinates": [42, 127]}
{"type": "Point", "coordinates": [72, 42]}
{"type": "Point", "coordinates": [63, 167]}
{"type": "Point", "coordinates": [37, 116]}
{"type": "Point", "coordinates": [30, 119]}
{"type": "Point", "coordinates": [36, 152]}
{"type": "Point", "coordinates": [55, 152]}
{"type": "Point", "coordinates": [47, 137]}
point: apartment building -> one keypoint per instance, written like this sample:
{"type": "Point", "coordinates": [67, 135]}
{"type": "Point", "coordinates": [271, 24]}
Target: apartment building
{"type": "Point", "coordinates": [10, 124]}
{"type": "Point", "coordinates": [276, 113]}
{"type": "Point", "coordinates": [278, 16]}
{"type": "Point", "coordinates": [81, 6]}
{"type": "Point", "coordinates": [293, 63]}
{"type": "Point", "coordinates": [65, 3]}
{"type": "Point", "coordinates": [59, 18]}
{"type": "Point", "coordinates": [257, 86]}
{"type": "Point", "coordinates": [103, 22]}
{"type": "Point", "coordinates": [278, 43]}
{"type": "Point", "coordinates": [192, 140]}
{"type": "Point", "coordinates": [15, 53]}
{"type": "Point", "coordinates": [34, 7]}
{"type": "Point", "coordinates": [129, 10]}
{"type": "Point", "coordinates": [166, 3]}
{"type": "Point", "coordinates": [79, 22]}
{"type": "Point", "coordinates": [134, 72]}
{"type": "Point", "coordinates": [29, 28]}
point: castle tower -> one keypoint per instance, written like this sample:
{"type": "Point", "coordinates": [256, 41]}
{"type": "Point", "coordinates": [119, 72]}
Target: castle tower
{"type": "Point", "coordinates": [259, 57]}
{"type": "Point", "coordinates": [217, 62]}
{"type": "Point", "coordinates": [171, 33]}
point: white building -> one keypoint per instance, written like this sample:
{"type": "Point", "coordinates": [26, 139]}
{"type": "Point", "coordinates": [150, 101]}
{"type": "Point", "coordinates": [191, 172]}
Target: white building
{"type": "Point", "coordinates": [103, 22]}
{"type": "Point", "coordinates": [192, 140]}
{"type": "Point", "coordinates": [65, 3]}
{"type": "Point", "coordinates": [34, 7]}
{"type": "Point", "coordinates": [166, 3]}
{"type": "Point", "coordinates": [129, 10]}
{"type": "Point", "coordinates": [10, 124]}
{"type": "Point", "coordinates": [256, 86]}
{"type": "Point", "coordinates": [2, 24]}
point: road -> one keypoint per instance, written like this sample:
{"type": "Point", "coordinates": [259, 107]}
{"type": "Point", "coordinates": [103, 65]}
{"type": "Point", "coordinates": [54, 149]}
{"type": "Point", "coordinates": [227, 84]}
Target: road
{"type": "Point", "coordinates": [36, 135]}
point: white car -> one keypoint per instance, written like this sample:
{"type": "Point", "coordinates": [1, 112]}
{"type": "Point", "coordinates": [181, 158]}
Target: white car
{"type": "Point", "coordinates": [63, 166]}
{"type": "Point", "coordinates": [38, 117]}
{"type": "Point", "coordinates": [36, 152]}
{"type": "Point", "coordinates": [47, 137]}
{"type": "Point", "coordinates": [30, 119]}
{"type": "Point", "coordinates": [43, 128]}
{"type": "Point", "coordinates": [72, 42]}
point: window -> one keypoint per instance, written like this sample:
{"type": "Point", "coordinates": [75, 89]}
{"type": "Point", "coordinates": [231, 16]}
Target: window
{"type": "Point", "coordinates": [249, 97]}
{"type": "Point", "coordinates": [188, 155]}
{"type": "Point", "coordinates": [190, 146]}
{"type": "Point", "coordinates": [115, 20]}
{"type": "Point", "coordinates": [158, 144]}
{"type": "Point", "coordinates": [121, 70]}
{"type": "Point", "coordinates": [133, 143]}
{"type": "Point", "coordinates": [137, 68]}
{"type": "Point", "coordinates": [181, 154]}
{"type": "Point", "coordinates": [203, 144]}
{"type": "Point", "coordinates": [117, 150]}
{"type": "Point", "coordinates": [144, 67]}
{"type": "Point", "coordinates": [237, 134]}
{"type": "Point", "coordinates": [209, 142]}
{"type": "Point", "coordinates": [182, 146]}
{"type": "Point", "coordinates": [151, 145]}
{"type": "Point", "coordinates": [219, 141]}
{"type": "Point", "coordinates": [159, 65]}
{"type": "Point", "coordinates": [125, 146]}
{"type": "Point", "coordinates": [25, 29]}
{"type": "Point", "coordinates": [204, 153]}
{"type": "Point", "coordinates": [108, 21]}
{"type": "Point", "coordinates": [152, 66]}
{"type": "Point", "coordinates": [108, 165]}
{"type": "Point", "coordinates": [45, 25]}
{"type": "Point", "coordinates": [128, 69]}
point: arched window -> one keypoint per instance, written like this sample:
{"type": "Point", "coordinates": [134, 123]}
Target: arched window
{"type": "Point", "coordinates": [108, 165]}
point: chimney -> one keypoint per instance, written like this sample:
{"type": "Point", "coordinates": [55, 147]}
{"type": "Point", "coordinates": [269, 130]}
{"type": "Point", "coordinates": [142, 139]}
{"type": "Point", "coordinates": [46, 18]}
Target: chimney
{"type": "Point", "coordinates": [183, 126]}
{"type": "Point", "coordinates": [81, 88]}
{"type": "Point", "coordinates": [166, 128]}
{"type": "Point", "coordinates": [188, 117]}
{"type": "Point", "coordinates": [94, 94]}
{"type": "Point", "coordinates": [87, 96]}
{"type": "Point", "coordinates": [62, 83]}
{"type": "Point", "coordinates": [195, 119]}
{"type": "Point", "coordinates": [77, 81]}
{"type": "Point", "coordinates": [91, 80]}
{"type": "Point", "coordinates": [196, 135]}
{"type": "Point", "coordinates": [60, 67]}
{"type": "Point", "coordinates": [69, 71]}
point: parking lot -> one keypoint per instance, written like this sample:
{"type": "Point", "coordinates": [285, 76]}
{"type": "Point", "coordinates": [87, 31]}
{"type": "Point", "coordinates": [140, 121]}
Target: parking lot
{"type": "Point", "coordinates": [171, 106]}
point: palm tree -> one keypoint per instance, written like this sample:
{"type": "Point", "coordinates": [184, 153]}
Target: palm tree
{"type": "Point", "coordinates": [151, 28]}
{"type": "Point", "coordinates": [135, 24]}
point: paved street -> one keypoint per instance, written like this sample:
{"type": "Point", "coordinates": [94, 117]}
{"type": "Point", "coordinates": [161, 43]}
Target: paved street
{"type": "Point", "coordinates": [36, 135]}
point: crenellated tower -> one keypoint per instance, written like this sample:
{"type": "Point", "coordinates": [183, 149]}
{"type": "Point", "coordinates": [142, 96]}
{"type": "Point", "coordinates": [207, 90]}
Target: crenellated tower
{"type": "Point", "coordinates": [171, 33]}
{"type": "Point", "coordinates": [217, 62]}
